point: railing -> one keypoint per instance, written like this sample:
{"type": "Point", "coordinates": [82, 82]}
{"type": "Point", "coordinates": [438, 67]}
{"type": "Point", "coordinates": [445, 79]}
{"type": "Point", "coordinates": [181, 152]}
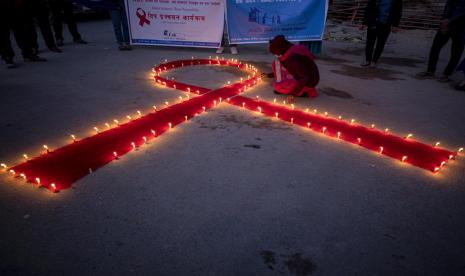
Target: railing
{"type": "Point", "coordinates": [417, 14]}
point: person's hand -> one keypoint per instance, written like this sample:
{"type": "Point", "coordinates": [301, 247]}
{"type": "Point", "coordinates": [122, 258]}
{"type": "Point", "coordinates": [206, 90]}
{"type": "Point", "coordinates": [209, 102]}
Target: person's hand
{"type": "Point", "coordinates": [290, 99]}
{"type": "Point", "coordinates": [444, 25]}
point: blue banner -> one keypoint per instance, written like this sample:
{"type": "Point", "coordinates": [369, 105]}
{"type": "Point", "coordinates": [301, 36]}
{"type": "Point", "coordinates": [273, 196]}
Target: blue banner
{"type": "Point", "coordinates": [258, 21]}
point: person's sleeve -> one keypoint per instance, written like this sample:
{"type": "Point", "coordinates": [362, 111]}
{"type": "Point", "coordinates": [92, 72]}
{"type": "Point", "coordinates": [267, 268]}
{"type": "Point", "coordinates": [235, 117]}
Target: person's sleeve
{"type": "Point", "coordinates": [301, 71]}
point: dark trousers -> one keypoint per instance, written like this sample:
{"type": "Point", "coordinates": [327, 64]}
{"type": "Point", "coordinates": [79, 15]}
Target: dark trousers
{"type": "Point", "coordinates": [62, 11]}
{"type": "Point", "coordinates": [456, 50]}
{"type": "Point", "coordinates": [376, 35]}
{"type": "Point", "coordinates": [12, 21]}
{"type": "Point", "coordinates": [39, 11]}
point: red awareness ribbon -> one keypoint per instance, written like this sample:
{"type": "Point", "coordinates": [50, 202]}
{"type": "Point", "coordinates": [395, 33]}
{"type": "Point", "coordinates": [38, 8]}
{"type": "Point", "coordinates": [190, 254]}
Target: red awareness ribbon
{"type": "Point", "coordinates": [142, 17]}
{"type": "Point", "coordinates": [58, 169]}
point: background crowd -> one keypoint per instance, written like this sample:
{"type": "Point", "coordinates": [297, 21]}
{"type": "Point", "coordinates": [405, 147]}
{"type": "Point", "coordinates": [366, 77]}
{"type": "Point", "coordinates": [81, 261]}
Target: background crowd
{"type": "Point", "coordinates": [22, 17]}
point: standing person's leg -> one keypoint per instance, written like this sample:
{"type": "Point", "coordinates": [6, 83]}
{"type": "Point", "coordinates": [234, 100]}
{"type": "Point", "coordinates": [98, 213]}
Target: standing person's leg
{"type": "Point", "coordinates": [42, 16]}
{"type": "Point", "coordinates": [224, 40]}
{"type": "Point", "coordinates": [6, 51]}
{"type": "Point", "coordinates": [125, 26]}
{"type": "Point", "coordinates": [115, 14]}
{"type": "Point", "coordinates": [439, 41]}
{"type": "Point", "coordinates": [370, 45]}
{"type": "Point", "coordinates": [56, 8]}
{"type": "Point", "coordinates": [383, 32]}
{"type": "Point", "coordinates": [70, 20]}
{"type": "Point", "coordinates": [455, 54]}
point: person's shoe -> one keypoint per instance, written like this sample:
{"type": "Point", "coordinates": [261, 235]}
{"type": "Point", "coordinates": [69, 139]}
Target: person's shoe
{"type": "Point", "coordinates": [55, 49]}
{"type": "Point", "coordinates": [59, 42]}
{"type": "Point", "coordinates": [34, 58]}
{"type": "Point", "coordinates": [425, 75]}
{"type": "Point", "coordinates": [80, 41]}
{"type": "Point", "coordinates": [444, 78]}
{"type": "Point", "coordinates": [234, 50]}
{"type": "Point", "coordinates": [220, 50]}
{"type": "Point", "coordinates": [366, 64]}
{"type": "Point", "coordinates": [10, 64]}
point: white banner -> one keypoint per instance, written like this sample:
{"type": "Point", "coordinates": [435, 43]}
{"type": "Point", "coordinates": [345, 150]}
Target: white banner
{"type": "Point", "coordinates": [186, 23]}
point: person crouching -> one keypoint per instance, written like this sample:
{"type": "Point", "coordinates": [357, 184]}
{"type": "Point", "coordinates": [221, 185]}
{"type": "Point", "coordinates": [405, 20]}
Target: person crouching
{"type": "Point", "coordinates": [295, 71]}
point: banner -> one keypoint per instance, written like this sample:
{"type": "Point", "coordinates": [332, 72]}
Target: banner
{"type": "Point", "coordinates": [188, 23]}
{"type": "Point", "coordinates": [258, 21]}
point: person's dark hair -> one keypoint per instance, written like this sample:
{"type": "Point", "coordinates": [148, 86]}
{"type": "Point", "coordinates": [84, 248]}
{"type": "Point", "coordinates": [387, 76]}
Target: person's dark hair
{"type": "Point", "coordinates": [279, 45]}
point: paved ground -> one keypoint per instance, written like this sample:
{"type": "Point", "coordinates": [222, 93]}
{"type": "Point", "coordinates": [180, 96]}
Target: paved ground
{"type": "Point", "coordinates": [230, 192]}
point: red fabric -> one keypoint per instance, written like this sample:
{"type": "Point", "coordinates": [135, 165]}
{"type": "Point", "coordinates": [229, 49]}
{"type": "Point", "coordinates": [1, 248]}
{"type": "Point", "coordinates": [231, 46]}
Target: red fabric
{"type": "Point", "coordinates": [68, 164]}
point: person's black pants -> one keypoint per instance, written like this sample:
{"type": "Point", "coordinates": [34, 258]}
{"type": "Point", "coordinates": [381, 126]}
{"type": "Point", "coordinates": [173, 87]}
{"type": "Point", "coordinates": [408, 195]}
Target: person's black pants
{"type": "Point", "coordinates": [62, 11]}
{"type": "Point", "coordinates": [376, 36]}
{"type": "Point", "coordinates": [457, 47]}
{"type": "Point", "coordinates": [39, 11]}
{"type": "Point", "coordinates": [11, 20]}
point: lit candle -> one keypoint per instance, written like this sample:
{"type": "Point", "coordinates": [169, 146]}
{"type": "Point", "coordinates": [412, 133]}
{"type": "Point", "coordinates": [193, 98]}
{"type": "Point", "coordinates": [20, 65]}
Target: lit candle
{"type": "Point", "coordinates": [12, 172]}
{"type": "Point", "coordinates": [386, 130]}
{"type": "Point", "coordinates": [23, 176]}
{"type": "Point", "coordinates": [243, 105]}
{"type": "Point", "coordinates": [46, 148]}
{"type": "Point", "coordinates": [309, 124]}
{"type": "Point", "coordinates": [436, 169]}
{"type": "Point", "coordinates": [26, 157]}
{"type": "Point", "coordinates": [359, 140]}
{"type": "Point", "coordinates": [133, 145]}
{"type": "Point", "coordinates": [129, 117]}
{"type": "Point", "coordinates": [381, 149]}
{"type": "Point", "coordinates": [352, 121]}
{"type": "Point", "coordinates": [437, 144]}
{"type": "Point", "coordinates": [460, 150]}
{"type": "Point", "coordinates": [139, 113]}
{"type": "Point", "coordinates": [372, 125]}
{"type": "Point", "coordinates": [324, 129]}
{"type": "Point", "coordinates": [443, 163]}
{"type": "Point", "coordinates": [409, 136]}
{"type": "Point", "coordinates": [276, 114]}
{"type": "Point", "coordinates": [292, 120]}
{"type": "Point", "coordinates": [116, 122]}
{"type": "Point", "coordinates": [145, 139]}
{"type": "Point", "coordinates": [115, 154]}
{"type": "Point", "coordinates": [154, 107]}
{"type": "Point", "coordinates": [73, 137]}
{"type": "Point", "coordinates": [338, 135]}
{"type": "Point", "coordinates": [4, 166]}
{"type": "Point", "coordinates": [259, 109]}
{"type": "Point", "coordinates": [404, 158]}
{"type": "Point", "coordinates": [326, 114]}
{"type": "Point", "coordinates": [185, 117]}
{"type": "Point", "coordinates": [107, 125]}
{"type": "Point", "coordinates": [339, 117]}
{"type": "Point", "coordinates": [170, 125]}
{"type": "Point", "coordinates": [53, 186]}
{"type": "Point", "coordinates": [96, 129]}
{"type": "Point", "coordinates": [154, 133]}
{"type": "Point", "coordinates": [315, 111]}
{"type": "Point", "coordinates": [38, 181]}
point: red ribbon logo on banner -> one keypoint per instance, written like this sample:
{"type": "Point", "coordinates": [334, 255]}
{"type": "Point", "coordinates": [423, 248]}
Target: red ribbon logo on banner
{"type": "Point", "coordinates": [142, 17]}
